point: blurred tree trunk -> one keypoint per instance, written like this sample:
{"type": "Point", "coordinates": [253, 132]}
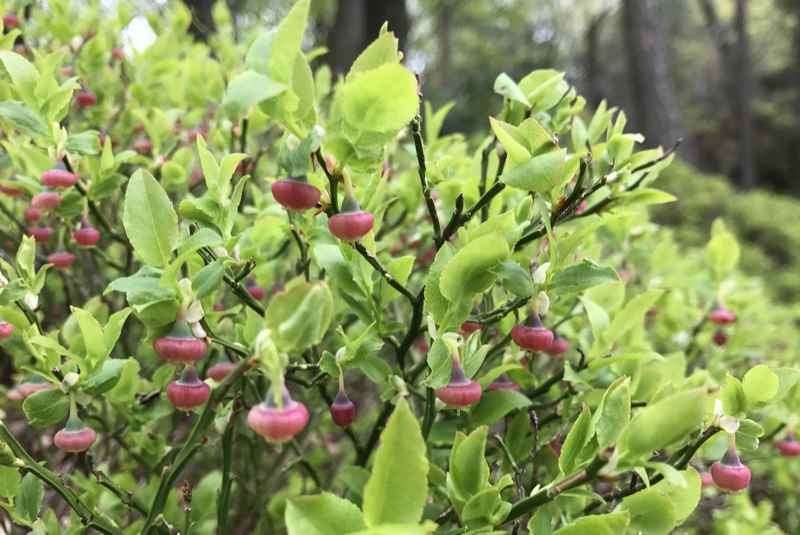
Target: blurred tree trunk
{"type": "Point", "coordinates": [743, 97]}
{"type": "Point", "coordinates": [593, 69]}
{"type": "Point", "coordinates": [443, 18]}
{"type": "Point", "coordinates": [357, 23]}
{"type": "Point", "coordinates": [202, 25]}
{"type": "Point", "coordinates": [347, 34]}
{"type": "Point", "coordinates": [797, 55]}
{"type": "Point", "coordinates": [655, 106]}
{"type": "Point", "coordinates": [733, 49]}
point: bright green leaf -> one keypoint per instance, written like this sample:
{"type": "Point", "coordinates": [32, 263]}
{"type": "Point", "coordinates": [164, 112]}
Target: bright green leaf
{"type": "Point", "coordinates": [150, 220]}
{"type": "Point", "coordinates": [398, 487]}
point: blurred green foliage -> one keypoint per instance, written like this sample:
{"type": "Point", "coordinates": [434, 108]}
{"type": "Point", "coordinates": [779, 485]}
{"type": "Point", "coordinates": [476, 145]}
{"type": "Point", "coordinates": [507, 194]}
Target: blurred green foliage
{"type": "Point", "coordinates": [765, 223]}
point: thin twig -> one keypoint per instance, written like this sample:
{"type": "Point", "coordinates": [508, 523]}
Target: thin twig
{"type": "Point", "coordinates": [376, 264]}
{"type": "Point", "coordinates": [416, 133]}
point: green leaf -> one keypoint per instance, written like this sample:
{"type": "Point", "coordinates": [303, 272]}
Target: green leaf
{"type": "Point", "coordinates": [672, 476]}
{"type": "Point", "coordinates": [227, 166]}
{"type": "Point", "coordinates": [644, 197]}
{"type": "Point", "coordinates": [579, 277]}
{"type": "Point", "coordinates": [22, 72]}
{"type": "Point", "coordinates": [495, 404]}
{"type": "Point", "coordinates": [300, 315]}
{"type": "Point", "coordinates": [31, 494]}
{"type": "Point", "coordinates": [128, 384]}
{"type": "Point", "coordinates": [436, 303]}
{"type": "Point", "coordinates": [722, 251]}
{"type": "Point", "coordinates": [468, 469]}
{"type": "Point", "coordinates": [400, 529]}
{"type": "Point", "coordinates": [113, 328]}
{"type": "Point", "coordinates": [398, 487]}
{"type": "Point", "coordinates": [107, 156]}
{"type": "Point", "coordinates": [598, 317]}
{"type": "Point", "coordinates": [614, 412]}
{"type": "Point", "coordinates": [630, 316]}
{"type": "Point", "coordinates": [540, 174]}
{"type": "Point", "coordinates": [516, 279]}
{"type": "Point", "coordinates": [105, 378]}
{"type": "Point", "coordinates": [666, 504]}
{"type": "Point", "coordinates": [210, 167]}
{"type": "Point", "coordinates": [734, 400]}
{"type": "Point", "coordinates": [208, 279]}
{"type": "Point", "coordinates": [440, 362]}
{"type": "Point", "coordinates": [578, 437]}
{"type": "Point", "coordinates": [544, 88]}
{"type": "Point", "coordinates": [9, 481]}
{"type": "Point", "coordinates": [286, 42]}
{"type": "Point", "coordinates": [665, 422]}
{"type": "Point", "coordinates": [399, 268]}
{"type": "Point", "coordinates": [248, 89]}
{"type": "Point", "coordinates": [260, 51]}
{"type": "Point", "coordinates": [86, 143]}
{"type": "Point", "coordinates": [470, 271]}
{"type": "Point", "coordinates": [23, 118]}
{"type": "Point", "coordinates": [381, 51]}
{"type": "Point", "coordinates": [684, 498]}
{"type": "Point", "coordinates": [506, 86]}
{"type": "Point", "coordinates": [322, 514]}
{"type": "Point", "coordinates": [512, 141]}
{"type": "Point", "coordinates": [651, 511]}
{"type": "Point", "coordinates": [485, 508]}
{"type": "Point", "coordinates": [26, 254]}
{"type": "Point", "coordinates": [380, 100]}
{"type": "Point", "coordinates": [150, 220]}
{"type": "Point", "coordinates": [92, 332]}
{"type": "Point", "coordinates": [760, 384]}
{"type": "Point", "coordinates": [354, 478]}
{"type": "Point", "coordinates": [46, 407]}
{"type": "Point", "coordinates": [579, 136]}
{"type": "Point", "coordinates": [610, 524]}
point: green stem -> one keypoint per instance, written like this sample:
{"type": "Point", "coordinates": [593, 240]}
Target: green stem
{"type": "Point", "coordinates": [192, 444]}
{"type": "Point", "coordinates": [680, 460]}
{"type": "Point", "coordinates": [577, 479]}
{"type": "Point", "coordinates": [29, 314]}
{"type": "Point", "coordinates": [416, 133]}
{"type": "Point", "coordinates": [227, 482]}
{"type": "Point", "coordinates": [240, 291]}
{"type": "Point", "coordinates": [333, 181]}
{"type": "Point", "coordinates": [430, 407]}
{"type": "Point", "coordinates": [376, 264]}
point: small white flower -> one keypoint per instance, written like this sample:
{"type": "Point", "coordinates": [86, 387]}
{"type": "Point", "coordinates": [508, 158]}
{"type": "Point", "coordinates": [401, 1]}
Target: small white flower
{"type": "Point", "coordinates": [729, 424]}
{"type": "Point", "coordinates": [31, 300]}
{"type": "Point", "coordinates": [542, 303]}
{"type": "Point", "coordinates": [453, 342]}
{"type": "Point", "coordinates": [76, 43]}
{"type": "Point", "coordinates": [540, 273]}
{"type": "Point", "coordinates": [431, 327]}
{"type": "Point", "coordinates": [681, 338]}
{"type": "Point", "coordinates": [71, 379]}
{"type": "Point", "coordinates": [719, 412]}
{"type": "Point", "coordinates": [195, 312]}
{"type": "Point", "coordinates": [198, 330]}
